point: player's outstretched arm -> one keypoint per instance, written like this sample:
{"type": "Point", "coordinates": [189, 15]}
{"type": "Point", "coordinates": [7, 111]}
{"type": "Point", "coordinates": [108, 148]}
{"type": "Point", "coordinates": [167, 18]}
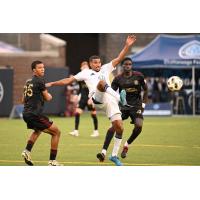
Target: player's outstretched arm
{"type": "Point", "coordinates": [129, 42]}
{"type": "Point", "coordinates": [61, 82]}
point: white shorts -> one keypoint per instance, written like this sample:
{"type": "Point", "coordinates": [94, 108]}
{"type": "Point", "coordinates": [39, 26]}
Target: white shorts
{"type": "Point", "coordinates": [108, 104]}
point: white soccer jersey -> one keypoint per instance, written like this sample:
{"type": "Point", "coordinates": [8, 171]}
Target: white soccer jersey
{"type": "Point", "coordinates": [92, 77]}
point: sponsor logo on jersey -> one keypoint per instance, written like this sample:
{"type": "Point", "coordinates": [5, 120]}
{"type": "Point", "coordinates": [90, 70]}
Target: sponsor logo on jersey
{"type": "Point", "coordinates": [131, 90]}
{"type": "Point", "coordinates": [1, 92]}
{"type": "Point", "coordinates": [190, 50]}
{"type": "Point", "coordinates": [92, 74]}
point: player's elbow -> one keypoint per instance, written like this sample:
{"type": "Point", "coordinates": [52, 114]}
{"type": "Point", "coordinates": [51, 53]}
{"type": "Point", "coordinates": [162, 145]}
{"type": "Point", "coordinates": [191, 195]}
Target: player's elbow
{"type": "Point", "coordinates": [116, 61]}
{"type": "Point", "coordinates": [22, 100]}
{"type": "Point", "coordinates": [48, 97]}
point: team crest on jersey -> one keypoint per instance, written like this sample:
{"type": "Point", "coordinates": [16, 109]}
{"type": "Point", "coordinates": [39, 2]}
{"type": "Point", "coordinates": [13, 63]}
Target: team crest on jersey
{"type": "Point", "coordinates": [139, 112]}
{"type": "Point", "coordinates": [135, 82]}
{"type": "Point", "coordinates": [190, 50]}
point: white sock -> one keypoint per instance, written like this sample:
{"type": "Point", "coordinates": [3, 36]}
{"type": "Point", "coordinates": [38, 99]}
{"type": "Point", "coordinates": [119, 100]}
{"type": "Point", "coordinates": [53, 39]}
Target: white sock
{"type": "Point", "coordinates": [117, 143]}
{"type": "Point", "coordinates": [126, 144]}
{"type": "Point", "coordinates": [112, 92]}
{"type": "Point", "coordinates": [103, 151]}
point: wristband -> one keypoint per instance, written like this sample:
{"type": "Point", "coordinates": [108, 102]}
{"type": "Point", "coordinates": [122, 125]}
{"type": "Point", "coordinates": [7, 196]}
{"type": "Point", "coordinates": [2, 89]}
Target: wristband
{"type": "Point", "coordinates": [143, 105]}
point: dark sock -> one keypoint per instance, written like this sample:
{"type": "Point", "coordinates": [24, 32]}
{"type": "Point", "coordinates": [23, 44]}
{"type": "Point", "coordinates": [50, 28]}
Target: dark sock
{"type": "Point", "coordinates": [95, 121]}
{"type": "Point", "coordinates": [109, 136]}
{"type": "Point", "coordinates": [118, 135]}
{"type": "Point", "coordinates": [77, 120]}
{"type": "Point", "coordinates": [29, 145]}
{"type": "Point", "coordinates": [135, 133]}
{"type": "Point", "coordinates": [53, 154]}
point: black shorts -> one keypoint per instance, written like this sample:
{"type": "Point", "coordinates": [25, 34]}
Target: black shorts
{"type": "Point", "coordinates": [37, 122]}
{"type": "Point", "coordinates": [83, 103]}
{"type": "Point", "coordinates": [132, 112]}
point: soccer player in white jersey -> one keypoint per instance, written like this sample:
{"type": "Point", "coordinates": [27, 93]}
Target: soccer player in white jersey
{"type": "Point", "coordinates": [103, 96]}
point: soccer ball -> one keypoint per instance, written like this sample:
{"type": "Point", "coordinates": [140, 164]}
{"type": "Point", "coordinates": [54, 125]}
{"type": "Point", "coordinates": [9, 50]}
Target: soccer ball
{"type": "Point", "coordinates": [174, 83]}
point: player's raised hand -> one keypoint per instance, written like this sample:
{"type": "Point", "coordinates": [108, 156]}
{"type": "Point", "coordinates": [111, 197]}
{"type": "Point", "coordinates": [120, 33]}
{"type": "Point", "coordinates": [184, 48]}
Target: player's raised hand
{"type": "Point", "coordinates": [130, 39]}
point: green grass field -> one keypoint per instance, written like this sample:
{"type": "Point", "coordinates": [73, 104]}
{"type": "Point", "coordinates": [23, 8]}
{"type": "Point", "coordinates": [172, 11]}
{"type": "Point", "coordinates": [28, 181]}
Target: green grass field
{"type": "Point", "coordinates": [165, 141]}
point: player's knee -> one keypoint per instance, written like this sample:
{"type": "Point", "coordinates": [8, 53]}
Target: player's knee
{"type": "Point", "coordinates": [119, 128]}
{"type": "Point", "coordinates": [101, 86]}
{"type": "Point", "coordinates": [56, 131]}
{"type": "Point", "coordinates": [119, 131]}
{"type": "Point", "coordinates": [78, 111]}
{"type": "Point", "coordinates": [138, 123]}
{"type": "Point", "coordinates": [59, 133]}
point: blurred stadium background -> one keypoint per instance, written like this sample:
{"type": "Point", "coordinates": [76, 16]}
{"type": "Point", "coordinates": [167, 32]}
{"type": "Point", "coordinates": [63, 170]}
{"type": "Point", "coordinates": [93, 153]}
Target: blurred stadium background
{"type": "Point", "coordinates": [157, 56]}
{"type": "Point", "coordinates": [62, 53]}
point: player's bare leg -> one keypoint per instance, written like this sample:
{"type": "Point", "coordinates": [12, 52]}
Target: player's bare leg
{"type": "Point", "coordinates": [55, 136]}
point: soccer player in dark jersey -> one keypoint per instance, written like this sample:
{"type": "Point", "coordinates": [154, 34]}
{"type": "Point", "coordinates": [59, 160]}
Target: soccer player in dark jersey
{"type": "Point", "coordinates": [133, 83]}
{"type": "Point", "coordinates": [35, 93]}
{"type": "Point", "coordinates": [85, 101]}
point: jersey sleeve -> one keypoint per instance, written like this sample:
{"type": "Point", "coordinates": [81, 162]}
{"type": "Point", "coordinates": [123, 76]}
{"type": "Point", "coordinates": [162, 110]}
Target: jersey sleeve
{"type": "Point", "coordinates": [80, 76]}
{"type": "Point", "coordinates": [115, 84]}
{"type": "Point", "coordinates": [41, 85]}
{"type": "Point", "coordinates": [108, 67]}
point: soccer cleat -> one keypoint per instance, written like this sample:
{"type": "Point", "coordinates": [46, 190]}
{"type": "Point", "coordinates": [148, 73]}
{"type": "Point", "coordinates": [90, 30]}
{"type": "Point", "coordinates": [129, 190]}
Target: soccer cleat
{"type": "Point", "coordinates": [74, 133]}
{"type": "Point", "coordinates": [54, 163]}
{"type": "Point", "coordinates": [101, 157]}
{"type": "Point", "coordinates": [27, 157]}
{"type": "Point", "coordinates": [123, 98]}
{"type": "Point", "coordinates": [116, 160]}
{"type": "Point", "coordinates": [95, 133]}
{"type": "Point", "coordinates": [124, 152]}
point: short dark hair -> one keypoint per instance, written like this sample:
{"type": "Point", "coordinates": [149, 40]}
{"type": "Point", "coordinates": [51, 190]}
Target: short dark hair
{"type": "Point", "coordinates": [93, 57]}
{"type": "Point", "coordinates": [126, 59]}
{"type": "Point", "coordinates": [35, 63]}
